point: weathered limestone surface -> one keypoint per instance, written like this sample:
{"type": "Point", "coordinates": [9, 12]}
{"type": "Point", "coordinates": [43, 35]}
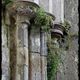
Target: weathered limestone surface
{"type": "Point", "coordinates": [43, 53]}
{"type": "Point", "coordinates": [43, 68]}
{"type": "Point", "coordinates": [35, 39]}
{"type": "Point", "coordinates": [5, 55]}
{"type": "Point", "coordinates": [43, 43]}
{"type": "Point", "coordinates": [22, 55]}
{"type": "Point", "coordinates": [44, 4]}
{"type": "Point", "coordinates": [57, 10]}
{"type": "Point", "coordinates": [69, 67]}
{"type": "Point", "coordinates": [71, 14]}
{"type": "Point", "coordinates": [35, 66]}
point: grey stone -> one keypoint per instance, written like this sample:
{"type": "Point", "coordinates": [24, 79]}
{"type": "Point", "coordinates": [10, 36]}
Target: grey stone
{"type": "Point", "coordinates": [56, 9]}
{"type": "Point", "coordinates": [21, 36]}
{"type": "Point", "coordinates": [70, 59]}
{"type": "Point", "coordinates": [43, 43]}
{"type": "Point", "coordinates": [46, 6]}
{"type": "Point", "coordinates": [35, 66]}
{"type": "Point", "coordinates": [35, 40]}
{"type": "Point", "coordinates": [5, 56]}
{"type": "Point", "coordinates": [71, 14]}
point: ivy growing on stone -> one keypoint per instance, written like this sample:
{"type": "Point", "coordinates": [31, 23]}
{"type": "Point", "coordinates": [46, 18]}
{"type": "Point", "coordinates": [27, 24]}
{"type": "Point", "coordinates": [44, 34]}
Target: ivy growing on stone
{"type": "Point", "coordinates": [53, 59]}
{"type": "Point", "coordinates": [67, 35]}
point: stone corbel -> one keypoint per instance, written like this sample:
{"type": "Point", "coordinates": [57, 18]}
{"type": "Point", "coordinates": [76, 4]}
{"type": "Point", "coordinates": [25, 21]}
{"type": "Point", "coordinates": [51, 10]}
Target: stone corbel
{"type": "Point", "coordinates": [56, 31]}
{"type": "Point", "coordinates": [24, 9]}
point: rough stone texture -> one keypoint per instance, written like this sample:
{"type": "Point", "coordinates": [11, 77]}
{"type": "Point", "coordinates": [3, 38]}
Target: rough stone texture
{"type": "Point", "coordinates": [5, 55]}
{"type": "Point", "coordinates": [71, 14]}
{"type": "Point", "coordinates": [20, 36]}
{"type": "Point", "coordinates": [35, 66]}
{"type": "Point", "coordinates": [69, 68]}
{"type": "Point", "coordinates": [22, 55]}
{"type": "Point", "coordinates": [20, 63]}
{"type": "Point", "coordinates": [43, 43]}
{"type": "Point", "coordinates": [56, 9]}
{"type": "Point", "coordinates": [5, 64]}
{"type": "Point", "coordinates": [44, 4]}
{"type": "Point", "coordinates": [43, 68]}
{"type": "Point", "coordinates": [35, 40]}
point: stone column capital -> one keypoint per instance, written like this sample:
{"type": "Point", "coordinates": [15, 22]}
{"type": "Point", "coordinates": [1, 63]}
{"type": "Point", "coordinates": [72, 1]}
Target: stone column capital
{"type": "Point", "coordinates": [22, 8]}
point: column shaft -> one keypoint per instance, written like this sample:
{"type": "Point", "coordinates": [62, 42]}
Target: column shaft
{"type": "Point", "coordinates": [43, 51]}
{"type": "Point", "coordinates": [25, 46]}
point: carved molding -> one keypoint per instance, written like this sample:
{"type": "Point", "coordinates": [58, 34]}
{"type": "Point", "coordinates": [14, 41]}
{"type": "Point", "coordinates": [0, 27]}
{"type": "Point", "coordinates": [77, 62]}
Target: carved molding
{"type": "Point", "coordinates": [22, 8]}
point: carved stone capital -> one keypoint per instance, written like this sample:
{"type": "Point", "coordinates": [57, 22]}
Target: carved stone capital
{"type": "Point", "coordinates": [57, 31]}
{"type": "Point", "coordinates": [22, 8]}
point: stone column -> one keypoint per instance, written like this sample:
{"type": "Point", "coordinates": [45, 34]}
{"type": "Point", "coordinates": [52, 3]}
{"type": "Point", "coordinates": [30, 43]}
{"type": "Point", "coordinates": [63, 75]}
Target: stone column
{"type": "Point", "coordinates": [43, 53]}
{"type": "Point", "coordinates": [58, 10]}
{"type": "Point", "coordinates": [13, 48]}
{"type": "Point", "coordinates": [22, 48]}
{"type": "Point", "coordinates": [34, 61]}
{"type": "Point", "coordinates": [50, 6]}
{"type": "Point", "coordinates": [5, 53]}
{"type": "Point", "coordinates": [25, 47]}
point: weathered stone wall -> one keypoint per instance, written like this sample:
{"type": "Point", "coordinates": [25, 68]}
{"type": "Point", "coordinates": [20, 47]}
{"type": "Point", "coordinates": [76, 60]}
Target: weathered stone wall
{"type": "Point", "coordinates": [71, 14]}
{"type": "Point", "coordinates": [5, 54]}
{"type": "Point", "coordinates": [71, 61]}
{"type": "Point", "coordinates": [35, 70]}
{"type": "Point", "coordinates": [68, 70]}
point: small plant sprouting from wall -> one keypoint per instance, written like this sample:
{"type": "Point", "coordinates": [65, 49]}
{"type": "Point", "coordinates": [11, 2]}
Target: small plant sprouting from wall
{"type": "Point", "coordinates": [66, 26]}
{"type": "Point", "coordinates": [42, 20]}
{"type": "Point", "coordinates": [67, 35]}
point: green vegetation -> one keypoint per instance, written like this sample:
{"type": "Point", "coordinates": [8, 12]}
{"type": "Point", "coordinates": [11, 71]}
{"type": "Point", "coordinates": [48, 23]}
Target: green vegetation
{"type": "Point", "coordinates": [67, 36]}
{"type": "Point", "coordinates": [53, 59]}
{"type": "Point", "coordinates": [54, 52]}
{"type": "Point", "coordinates": [42, 20]}
{"type": "Point", "coordinates": [66, 26]}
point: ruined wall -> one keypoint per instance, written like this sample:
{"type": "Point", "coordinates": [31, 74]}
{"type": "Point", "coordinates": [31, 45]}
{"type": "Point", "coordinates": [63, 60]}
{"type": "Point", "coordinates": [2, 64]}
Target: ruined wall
{"type": "Point", "coordinates": [71, 60]}
{"type": "Point", "coordinates": [5, 54]}
{"type": "Point", "coordinates": [68, 70]}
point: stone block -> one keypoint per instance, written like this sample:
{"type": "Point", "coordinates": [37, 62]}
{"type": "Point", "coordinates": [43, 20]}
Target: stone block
{"type": "Point", "coordinates": [46, 6]}
{"type": "Point", "coordinates": [35, 40]}
{"type": "Point", "coordinates": [35, 66]}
